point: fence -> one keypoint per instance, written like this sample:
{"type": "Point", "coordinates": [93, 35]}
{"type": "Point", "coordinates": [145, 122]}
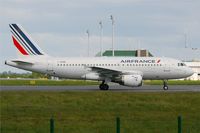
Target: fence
{"type": "Point", "coordinates": [118, 125]}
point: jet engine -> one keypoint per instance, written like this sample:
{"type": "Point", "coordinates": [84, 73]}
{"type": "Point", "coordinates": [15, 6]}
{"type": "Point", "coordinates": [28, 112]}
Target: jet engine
{"type": "Point", "coordinates": [131, 80]}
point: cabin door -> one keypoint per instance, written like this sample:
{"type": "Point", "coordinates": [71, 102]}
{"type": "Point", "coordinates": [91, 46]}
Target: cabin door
{"type": "Point", "coordinates": [50, 70]}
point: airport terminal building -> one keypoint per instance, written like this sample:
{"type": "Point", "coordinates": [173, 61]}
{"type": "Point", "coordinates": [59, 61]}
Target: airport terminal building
{"type": "Point", "coordinates": [195, 65]}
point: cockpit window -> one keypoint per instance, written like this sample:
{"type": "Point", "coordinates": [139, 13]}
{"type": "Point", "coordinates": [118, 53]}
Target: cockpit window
{"type": "Point", "coordinates": [181, 64]}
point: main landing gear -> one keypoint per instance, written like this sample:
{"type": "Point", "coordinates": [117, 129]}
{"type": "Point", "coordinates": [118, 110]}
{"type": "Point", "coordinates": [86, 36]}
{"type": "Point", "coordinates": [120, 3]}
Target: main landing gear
{"type": "Point", "coordinates": [103, 86]}
{"type": "Point", "coordinates": [165, 86]}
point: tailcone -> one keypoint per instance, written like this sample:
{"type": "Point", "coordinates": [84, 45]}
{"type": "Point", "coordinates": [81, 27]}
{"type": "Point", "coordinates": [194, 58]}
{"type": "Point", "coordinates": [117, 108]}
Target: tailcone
{"type": "Point", "coordinates": [10, 63]}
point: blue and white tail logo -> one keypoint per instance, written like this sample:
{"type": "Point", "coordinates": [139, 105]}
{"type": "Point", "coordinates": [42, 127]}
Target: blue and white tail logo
{"type": "Point", "coordinates": [23, 41]}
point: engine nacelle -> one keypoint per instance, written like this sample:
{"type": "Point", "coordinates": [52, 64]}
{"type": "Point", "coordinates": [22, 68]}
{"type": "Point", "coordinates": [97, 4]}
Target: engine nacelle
{"type": "Point", "coordinates": [131, 80]}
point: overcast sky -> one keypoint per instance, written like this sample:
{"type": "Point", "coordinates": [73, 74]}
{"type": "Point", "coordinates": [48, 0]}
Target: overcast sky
{"type": "Point", "coordinates": [59, 26]}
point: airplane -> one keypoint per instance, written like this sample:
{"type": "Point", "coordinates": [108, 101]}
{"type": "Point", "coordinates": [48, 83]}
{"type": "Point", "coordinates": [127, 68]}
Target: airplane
{"type": "Point", "coordinates": [127, 71]}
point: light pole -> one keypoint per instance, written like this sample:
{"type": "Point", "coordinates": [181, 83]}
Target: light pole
{"type": "Point", "coordinates": [88, 49]}
{"type": "Point", "coordinates": [112, 19]}
{"type": "Point", "coordinates": [101, 35]}
{"type": "Point", "coordinates": [186, 45]}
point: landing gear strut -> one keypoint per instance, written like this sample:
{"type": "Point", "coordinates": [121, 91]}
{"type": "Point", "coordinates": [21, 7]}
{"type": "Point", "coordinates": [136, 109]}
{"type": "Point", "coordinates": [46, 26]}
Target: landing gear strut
{"type": "Point", "coordinates": [165, 86]}
{"type": "Point", "coordinates": [103, 86]}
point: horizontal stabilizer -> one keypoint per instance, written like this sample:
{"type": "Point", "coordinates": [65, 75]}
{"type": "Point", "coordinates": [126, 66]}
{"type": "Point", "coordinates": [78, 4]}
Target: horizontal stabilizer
{"type": "Point", "coordinates": [22, 62]}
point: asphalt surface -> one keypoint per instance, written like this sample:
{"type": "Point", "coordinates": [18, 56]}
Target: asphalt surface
{"type": "Point", "coordinates": [145, 88]}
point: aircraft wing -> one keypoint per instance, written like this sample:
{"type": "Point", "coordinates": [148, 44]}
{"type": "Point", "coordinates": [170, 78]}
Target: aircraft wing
{"type": "Point", "coordinates": [112, 73]}
{"type": "Point", "coordinates": [104, 72]}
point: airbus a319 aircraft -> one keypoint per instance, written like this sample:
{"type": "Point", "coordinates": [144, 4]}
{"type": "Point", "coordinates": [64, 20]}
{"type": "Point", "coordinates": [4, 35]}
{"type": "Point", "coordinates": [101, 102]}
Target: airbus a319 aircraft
{"type": "Point", "coordinates": [127, 71]}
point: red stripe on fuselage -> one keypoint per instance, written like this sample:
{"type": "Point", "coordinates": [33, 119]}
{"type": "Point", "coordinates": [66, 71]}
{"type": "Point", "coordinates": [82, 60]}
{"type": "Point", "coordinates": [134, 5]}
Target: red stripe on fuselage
{"type": "Point", "coordinates": [19, 47]}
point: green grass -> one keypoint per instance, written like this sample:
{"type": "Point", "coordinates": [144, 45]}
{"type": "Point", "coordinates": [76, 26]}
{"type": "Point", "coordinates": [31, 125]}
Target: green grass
{"type": "Point", "coordinates": [95, 112]}
{"type": "Point", "coordinates": [172, 82]}
{"type": "Point", "coordinates": [83, 82]}
{"type": "Point", "coordinates": [46, 82]}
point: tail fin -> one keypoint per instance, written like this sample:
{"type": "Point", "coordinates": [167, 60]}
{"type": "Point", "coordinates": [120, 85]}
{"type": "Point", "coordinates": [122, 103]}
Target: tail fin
{"type": "Point", "coordinates": [23, 41]}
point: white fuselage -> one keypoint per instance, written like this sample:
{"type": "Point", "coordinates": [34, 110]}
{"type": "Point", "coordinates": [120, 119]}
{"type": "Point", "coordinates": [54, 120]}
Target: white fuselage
{"type": "Point", "coordinates": [80, 67]}
{"type": "Point", "coordinates": [128, 71]}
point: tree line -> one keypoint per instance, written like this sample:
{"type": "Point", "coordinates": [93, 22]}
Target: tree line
{"type": "Point", "coordinates": [9, 74]}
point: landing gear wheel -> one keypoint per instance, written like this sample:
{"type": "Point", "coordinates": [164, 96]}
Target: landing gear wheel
{"type": "Point", "coordinates": [165, 87]}
{"type": "Point", "coordinates": [103, 87]}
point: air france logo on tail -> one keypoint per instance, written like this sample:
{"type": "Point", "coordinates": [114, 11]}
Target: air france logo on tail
{"type": "Point", "coordinates": [23, 42]}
